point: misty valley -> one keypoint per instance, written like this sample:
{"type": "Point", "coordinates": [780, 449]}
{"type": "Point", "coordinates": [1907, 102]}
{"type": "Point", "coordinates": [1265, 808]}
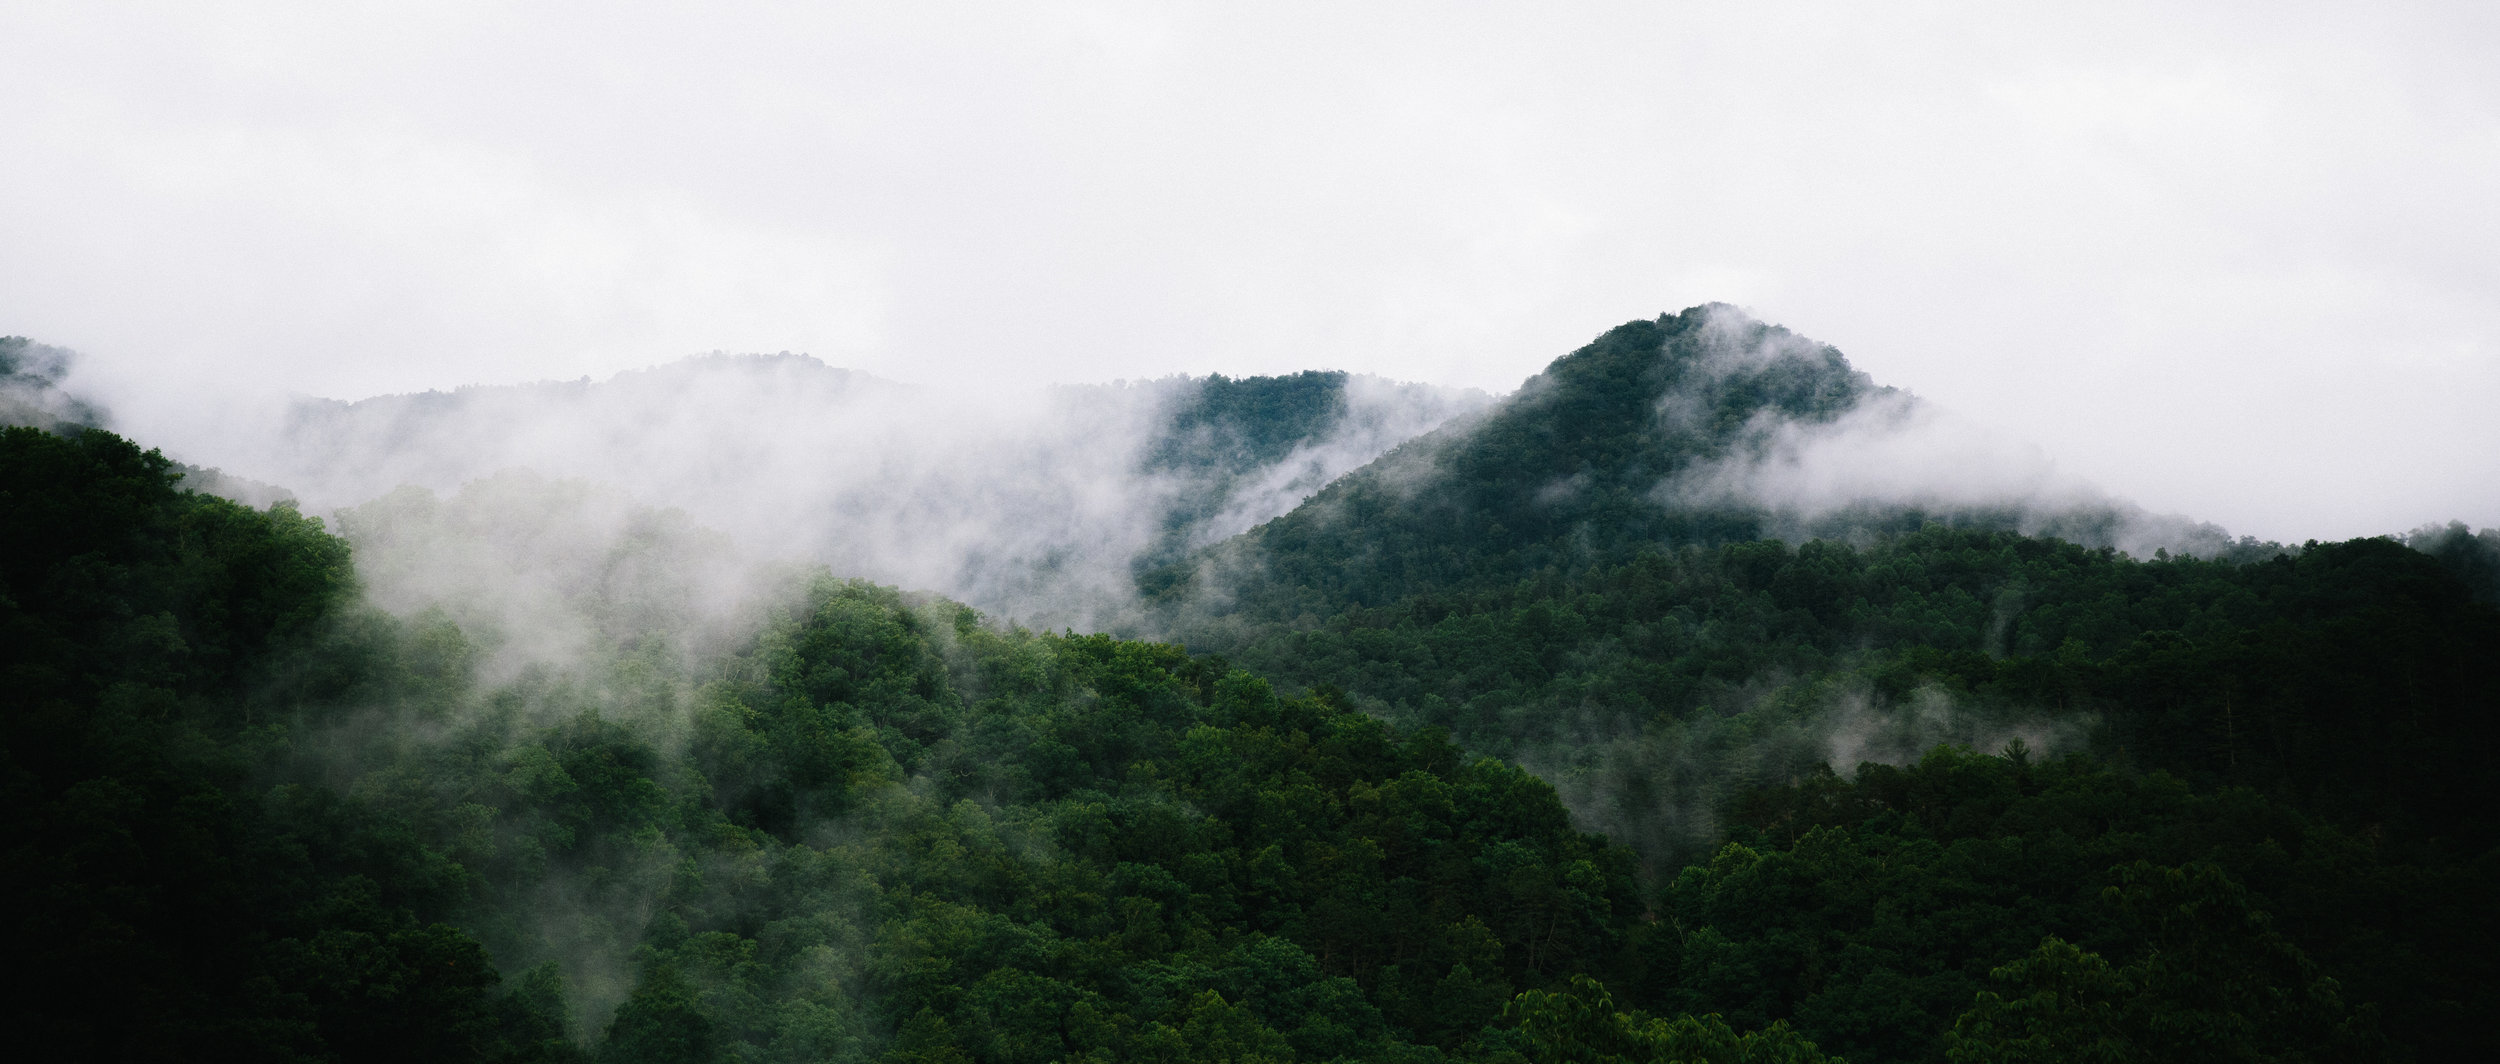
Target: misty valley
{"type": "Point", "coordinates": [1700, 700]}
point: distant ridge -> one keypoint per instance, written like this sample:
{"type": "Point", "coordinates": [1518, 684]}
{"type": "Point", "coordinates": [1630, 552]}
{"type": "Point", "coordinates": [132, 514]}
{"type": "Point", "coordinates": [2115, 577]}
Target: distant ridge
{"type": "Point", "coordinates": [1039, 504]}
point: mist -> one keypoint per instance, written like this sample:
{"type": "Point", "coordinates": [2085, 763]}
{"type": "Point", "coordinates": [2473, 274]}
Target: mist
{"type": "Point", "coordinates": [433, 276]}
{"type": "Point", "coordinates": [1888, 450]}
{"type": "Point", "coordinates": [1035, 505]}
{"type": "Point", "coordinates": [1662, 785]}
{"type": "Point", "coordinates": [31, 392]}
{"type": "Point", "coordinates": [2129, 232]}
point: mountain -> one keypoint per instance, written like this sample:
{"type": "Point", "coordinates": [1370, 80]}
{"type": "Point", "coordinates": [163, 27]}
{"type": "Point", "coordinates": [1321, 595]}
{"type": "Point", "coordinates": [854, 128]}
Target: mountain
{"type": "Point", "coordinates": [1702, 700]}
{"type": "Point", "coordinates": [1666, 569]}
{"type": "Point", "coordinates": [875, 828]}
{"type": "Point", "coordinates": [1698, 428]}
{"type": "Point", "coordinates": [1699, 559]}
{"type": "Point", "coordinates": [1037, 505]}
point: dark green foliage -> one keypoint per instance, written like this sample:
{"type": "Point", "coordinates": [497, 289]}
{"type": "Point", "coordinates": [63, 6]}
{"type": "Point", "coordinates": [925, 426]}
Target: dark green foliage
{"type": "Point", "coordinates": [1870, 912]}
{"type": "Point", "coordinates": [884, 829]}
{"type": "Point", "coordinates": [2472, 557]}
{"type": "Point", "coordinates": [1109, 846]}
{"type": "Point", "coordinates": [2315, 724]}
{"type": "Point", "coordinates": [2215, 984]}
{"type": "Point", "coordinates": [256, 818]}
{"type": "Point", "coordinates": [662, 1023]}
{"type": "Point", "coordinates": [163, 901]}
{"type": "Point", "coordinates": [2357, 679]}
{"type": "Point", "coordinates": [1582, 1026]}
{"type": "Point", "coordinates": [1222, 428]}
{"type": "Point", "coordinates": [895, 830]}
{"type": "Point", "coordinates": [1233, 424]}
{"type": "Point", "coordinates": [1563, 474]}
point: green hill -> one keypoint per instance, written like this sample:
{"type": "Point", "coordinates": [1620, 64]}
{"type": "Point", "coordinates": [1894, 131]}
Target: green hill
{"type": "Point", "coordinates": [1530, 741]}
{"type": "Point", "coordinates": [1561, 475]}
{"type": "Point", "coordinates": [1543, 582]}
{"type": "Point", "coordinates": [1622, 447]}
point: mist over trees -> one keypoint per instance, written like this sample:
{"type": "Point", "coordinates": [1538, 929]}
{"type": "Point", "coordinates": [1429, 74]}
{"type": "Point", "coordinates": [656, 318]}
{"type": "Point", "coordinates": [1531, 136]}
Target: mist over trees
{"type": "Point", "coordinates": [1701, 700]}
{"type": "Point", "coordinates": [1035, 506]}
{"type": "Point", "coordinates": [31, 375]}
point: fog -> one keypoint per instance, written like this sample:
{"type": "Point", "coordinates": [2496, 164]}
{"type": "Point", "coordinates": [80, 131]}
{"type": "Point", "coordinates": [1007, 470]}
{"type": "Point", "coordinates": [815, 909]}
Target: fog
{"type": "Point", "coordinates": [2232, 261]}
{"type": "Point", "coordinates": [1036, 505]}
{"type": "Point", "coordinates": [1888, 450]}
{"type": "Point", "coordinates": [445, 274]}
{"type": "Point", "coordinates": [31, 376]}
{"type": "Point", "coordinates": [1661, 785]}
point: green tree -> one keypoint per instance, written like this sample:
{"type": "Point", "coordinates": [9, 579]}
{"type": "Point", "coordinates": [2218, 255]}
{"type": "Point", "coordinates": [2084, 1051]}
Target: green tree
{"type": "Point", "coordinates": [1582, 1025]}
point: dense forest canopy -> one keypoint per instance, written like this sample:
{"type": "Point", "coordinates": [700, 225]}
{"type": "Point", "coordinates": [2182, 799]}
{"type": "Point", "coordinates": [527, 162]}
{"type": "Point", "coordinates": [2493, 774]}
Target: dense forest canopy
{"type": "Point", "coordinates": [1528, 741]}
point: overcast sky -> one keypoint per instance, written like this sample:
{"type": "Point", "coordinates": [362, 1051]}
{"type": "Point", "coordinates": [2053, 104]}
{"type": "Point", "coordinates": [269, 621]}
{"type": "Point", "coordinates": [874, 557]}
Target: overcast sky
{"type": "Point", "coordinates": [2241, 262]}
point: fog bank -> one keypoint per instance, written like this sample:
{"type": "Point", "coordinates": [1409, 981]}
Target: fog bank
{"type": "Point", "coordinates": [1034, 505]}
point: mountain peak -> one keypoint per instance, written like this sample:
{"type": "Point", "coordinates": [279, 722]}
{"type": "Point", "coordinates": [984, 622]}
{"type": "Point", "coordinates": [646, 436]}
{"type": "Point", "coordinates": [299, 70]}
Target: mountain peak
{"type": "Point", "coordinates": [1647, 397]}
{"type": "Point", "coordinates": [1700, 427]}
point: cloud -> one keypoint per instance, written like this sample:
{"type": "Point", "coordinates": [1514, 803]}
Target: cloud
{"type": "Point", "coordinates": [1883, 450]}
{"type": "Point", "coordinates": [1379, 415]}
{"type": "Point", "coordinates": [1663, 784]}
{"type": "Point", "coordinates": [2130, 233]}
{"type": "Point", "coordinates": [1887, 449]}
{"type": "Point", "coordinates": [31, 392]}
{"type": "Point", "coordinates": [1033, 504]}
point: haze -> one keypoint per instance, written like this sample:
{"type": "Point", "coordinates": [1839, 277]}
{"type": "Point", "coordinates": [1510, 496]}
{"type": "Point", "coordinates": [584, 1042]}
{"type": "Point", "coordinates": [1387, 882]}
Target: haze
{"type": "Point", "coordinates": [2237, 263]}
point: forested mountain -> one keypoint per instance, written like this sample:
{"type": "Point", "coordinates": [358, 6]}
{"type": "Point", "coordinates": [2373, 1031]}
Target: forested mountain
{"type": "Point", "coordinates": [1624, 719]}
{"type": "Point", "coordinates": [1696, 429]}
{"type": "Point", "coordinates": [1615, 578]}
{"type": "Point", "coordinates": [1037, 505]}
{"type": "Point", "coordinates": [292, 826]}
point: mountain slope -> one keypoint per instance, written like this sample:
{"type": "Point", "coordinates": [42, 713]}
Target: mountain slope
{"type": "Point", "coordinates": [1559, 474]}
{"type": "Point", "coordinates": [696, 811]}
{"type": "Point", "coordinates": [1596, 578]}
{"type": "Point", "coordinates": [1035, 505]}
{"type": "Point", "coordinates": [875, 828]}
{"type": "Point", "coordinates": [1699, 562]}
{"type": "Point", "coordinates": [1702, 427]}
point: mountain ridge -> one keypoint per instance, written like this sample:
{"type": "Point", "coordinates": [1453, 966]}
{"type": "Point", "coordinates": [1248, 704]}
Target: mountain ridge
{"type": "Point", "coordinates": [1658, 433]}
{"type": "Point", "coordinates": [1559, 779]}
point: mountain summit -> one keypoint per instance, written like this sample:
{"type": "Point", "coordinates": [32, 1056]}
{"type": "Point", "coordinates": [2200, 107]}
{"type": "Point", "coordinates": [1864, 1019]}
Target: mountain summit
{"type": "Point", "coordinates": [1701, 427]}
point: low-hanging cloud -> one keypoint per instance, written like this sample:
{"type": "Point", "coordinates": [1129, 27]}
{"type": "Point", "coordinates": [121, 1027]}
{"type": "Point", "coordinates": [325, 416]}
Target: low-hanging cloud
{"type": "Point", "coordinates": [1881, 449]}
{"type": "Point", "coordinates": [1888, 448]}
{"type": "Point", "coordinates": [1379, 415]}
{"type": "Point", "coordinates": [1664, 784]}
{"type": "Point", "coordinates": [31, 392]}
{"type": "Point", "coordinates": [1036, 505]}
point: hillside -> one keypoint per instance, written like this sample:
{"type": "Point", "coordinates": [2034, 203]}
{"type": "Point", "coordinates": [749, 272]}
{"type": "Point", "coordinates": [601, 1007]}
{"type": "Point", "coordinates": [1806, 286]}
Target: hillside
{"type": "Point", "coordinates": [1613, 578]}
{"type": "Point", "coordinates": [1595, 723]}
{"type": "Point", "coordinates": [1037, 505]}
{"type": "Point", "coordinates": [875, 829]}
{"type": "Point", "coordinates": [1696, 429]}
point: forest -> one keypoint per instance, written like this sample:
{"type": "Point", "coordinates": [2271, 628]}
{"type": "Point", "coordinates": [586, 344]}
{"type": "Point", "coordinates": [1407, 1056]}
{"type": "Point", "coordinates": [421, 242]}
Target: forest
{"type": "Point", "coordinates": [1514, 745]}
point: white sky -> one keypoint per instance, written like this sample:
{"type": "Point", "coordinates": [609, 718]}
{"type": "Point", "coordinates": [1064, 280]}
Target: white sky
{"type": "Point", "coordinates": [2241, 262]}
